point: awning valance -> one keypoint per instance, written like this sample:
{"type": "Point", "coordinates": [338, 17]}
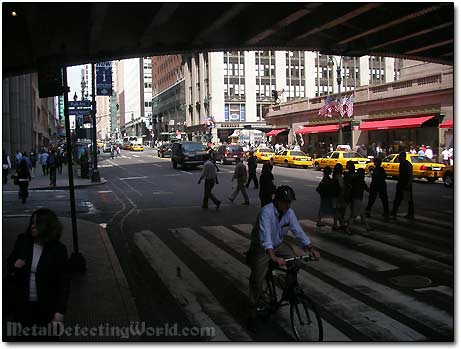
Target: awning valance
{"type": "Point", "coordinates": [447, 124]}
{"type": "Point", "coordinates": [394, 123]}
{"type": "Point", "coordinates": [320, 129]}
{"type": "Point", "coordinates": [275, 132]}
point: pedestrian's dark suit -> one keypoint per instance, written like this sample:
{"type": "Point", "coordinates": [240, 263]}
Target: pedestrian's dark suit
{"type": "Point", "coordinates": [52, 282]}
{"type": "Point", "coordinates": [267, 187]}
{"type": "Point", "coordinates": [378, 187]}
{"type": "Point", "coordinates": [404, 188]}
{"type": "Point", "coordinates": [252, 165]}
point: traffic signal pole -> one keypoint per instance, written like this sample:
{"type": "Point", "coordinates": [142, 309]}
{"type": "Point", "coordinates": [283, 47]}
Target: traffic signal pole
{"type": "Point", "coordinates": [95, 177]}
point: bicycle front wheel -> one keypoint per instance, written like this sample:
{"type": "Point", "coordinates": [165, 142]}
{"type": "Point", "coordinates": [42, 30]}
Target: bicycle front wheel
{"type": "Point", "coordinates": [305, 320]}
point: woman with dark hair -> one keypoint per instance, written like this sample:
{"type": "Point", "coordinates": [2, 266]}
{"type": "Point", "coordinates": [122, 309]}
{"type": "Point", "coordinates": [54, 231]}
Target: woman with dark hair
{"type": "Point", "coordinates": [37, 266]}
{"type": "Point", "coordinates": [266, 184]}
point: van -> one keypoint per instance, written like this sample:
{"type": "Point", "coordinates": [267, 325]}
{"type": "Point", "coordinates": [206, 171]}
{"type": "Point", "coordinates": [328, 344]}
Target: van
{"type": "Point", "coordinates": [187, 154]}
{"type": "Point", "coordinates": [228, 153]}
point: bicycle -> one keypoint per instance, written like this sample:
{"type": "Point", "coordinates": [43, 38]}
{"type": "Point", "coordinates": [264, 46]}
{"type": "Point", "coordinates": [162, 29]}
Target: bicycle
{"type": "Point", "coordinates": [306, 322]}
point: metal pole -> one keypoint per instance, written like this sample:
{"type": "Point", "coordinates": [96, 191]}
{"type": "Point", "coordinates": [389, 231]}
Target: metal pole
{"type": "Point", "coordinates": [95, 177]}
{"type": "Point", "coordinates": [76, 260]}
{"type": "Point", "coordinates": [338, 73]}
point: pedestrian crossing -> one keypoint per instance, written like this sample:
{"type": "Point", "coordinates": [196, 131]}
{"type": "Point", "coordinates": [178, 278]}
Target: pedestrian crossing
{"type": "Point", "coordinates": [351, 284]}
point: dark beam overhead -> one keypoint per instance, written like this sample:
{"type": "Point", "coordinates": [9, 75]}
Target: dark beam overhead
{"type": "Point", "coordinates": [70, 33]}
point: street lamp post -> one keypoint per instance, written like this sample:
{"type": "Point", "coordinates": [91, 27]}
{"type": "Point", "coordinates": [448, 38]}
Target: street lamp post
{"type": "Point", "coordinates": [338, 79]}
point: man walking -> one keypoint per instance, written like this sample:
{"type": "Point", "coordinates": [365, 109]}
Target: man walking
{"type": "Point", "coordinates": [51, 163]}
{"type": "Point", "coordinates": [240, 174]}
{"type": "Point", "coordinates": [211, 178]}
{"type": "Point", "coordinates": [404, 189]}
{"type": "Point", "coordinates": [252, 165]}
{"type": "Point", "coordinates": [6, 165]}
{"type": "Point", "coordinates": [378, 187]}
{"type": "Point", "coordinates": [43, 159]}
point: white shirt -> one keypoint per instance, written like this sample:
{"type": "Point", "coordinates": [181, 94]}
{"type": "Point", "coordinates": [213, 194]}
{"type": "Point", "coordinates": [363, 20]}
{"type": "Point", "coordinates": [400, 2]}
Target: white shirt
{"type": "Point", "coordinates": [272, 231]}
{"type": "Point", "coordinates": [445, 154]}
{"type": "Point", "coordinates": [38, 249]}
{"type": "Point", "coordinates": [429, 153]}
{"type": "Point", "coordinates": [209, 170]}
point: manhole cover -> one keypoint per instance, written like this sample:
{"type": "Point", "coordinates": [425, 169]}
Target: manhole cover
{"type": "Point", "coordinates": [412, 281]}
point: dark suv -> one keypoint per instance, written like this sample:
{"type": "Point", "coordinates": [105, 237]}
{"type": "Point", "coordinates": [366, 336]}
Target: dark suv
{"type": "Point", "coordinates": [228, 153]}
{"type": "Point", "coordinates": [164, 150]}
{"type": "Point", "coordinates": [187, 154]}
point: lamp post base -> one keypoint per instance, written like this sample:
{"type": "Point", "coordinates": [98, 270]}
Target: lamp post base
{"type": "Point", "coordinates": [95, 177]}
{"type": "Point", "coordinates": [76, 262]}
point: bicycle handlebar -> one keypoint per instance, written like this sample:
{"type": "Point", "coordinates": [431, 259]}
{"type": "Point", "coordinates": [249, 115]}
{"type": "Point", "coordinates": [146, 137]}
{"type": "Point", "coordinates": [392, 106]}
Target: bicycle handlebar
{"type": "Point", "coordinates": [304, 258]}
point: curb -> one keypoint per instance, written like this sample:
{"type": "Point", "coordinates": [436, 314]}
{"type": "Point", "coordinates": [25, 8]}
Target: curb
{"type": "Point", "coordinates": [64, 187]}
{"type": "Point", "coordinates": [130, 306]}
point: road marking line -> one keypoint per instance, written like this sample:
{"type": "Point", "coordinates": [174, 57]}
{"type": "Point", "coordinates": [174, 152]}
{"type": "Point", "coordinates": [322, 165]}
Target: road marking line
{"type": "Point", "coordinates": [136, 156]}
{"type": "Point", "coordinates": [128, 178]}
{"type": "Point", "coordinates": [157, 165]}
{"type": "Point", "coordinates": [104, 191]}
{"type": "Point", "coordinates": [195, 298]}
{"type": "Point", "coordinates": [162, 192]}
{"type": "Point", "coordinates": [185, 172]}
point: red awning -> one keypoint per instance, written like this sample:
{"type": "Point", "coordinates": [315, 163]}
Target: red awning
{"type": "Point", "coordinates": [447, 124]}
{"type": "Point", "coordinates": [394, 123]}
{"type": "Point", "coordinates": [275, 132]}
{"type": "Point", "coordinates": [320, 129]}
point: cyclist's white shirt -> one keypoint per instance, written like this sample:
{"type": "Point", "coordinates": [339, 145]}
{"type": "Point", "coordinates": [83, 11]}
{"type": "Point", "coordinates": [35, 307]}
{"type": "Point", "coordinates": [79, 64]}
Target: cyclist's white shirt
{"type": "Point", "coordinates": [272, 231]}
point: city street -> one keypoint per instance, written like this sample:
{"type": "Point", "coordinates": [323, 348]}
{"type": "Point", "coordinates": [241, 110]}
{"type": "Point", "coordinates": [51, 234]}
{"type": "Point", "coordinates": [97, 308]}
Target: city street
{"type": "Point", "coordinates": [186, 265]}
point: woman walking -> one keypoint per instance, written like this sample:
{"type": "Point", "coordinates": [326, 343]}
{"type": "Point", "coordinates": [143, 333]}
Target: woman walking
{"type": "Point", "coordinates": [266, 184]}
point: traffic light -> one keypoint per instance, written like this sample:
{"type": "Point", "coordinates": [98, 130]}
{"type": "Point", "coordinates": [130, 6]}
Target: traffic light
{"type": "Point", "coordinates": [275, 95]}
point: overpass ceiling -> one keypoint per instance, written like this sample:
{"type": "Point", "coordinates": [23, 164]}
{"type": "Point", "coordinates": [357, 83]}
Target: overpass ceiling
{"type": "Point", "coordinates": [77, 33]}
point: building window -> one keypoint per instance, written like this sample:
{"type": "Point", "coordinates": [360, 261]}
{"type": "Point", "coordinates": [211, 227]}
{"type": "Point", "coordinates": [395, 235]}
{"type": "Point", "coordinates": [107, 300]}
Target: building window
{"type": "Point", "coordinates": [226, 112]}
{"type": "Point", "coordinates": [242, 112]}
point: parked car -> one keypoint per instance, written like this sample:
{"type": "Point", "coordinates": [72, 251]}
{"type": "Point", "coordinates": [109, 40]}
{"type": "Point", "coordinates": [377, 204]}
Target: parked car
{"type": "Point", "coordinates": [164, 150]}
{"type": "Point", "coordinates": [423, 167]}
{"type": "Point", "coordinates": [448, 179]}
{"type": "Point", "coordinates": [342, 157]}
{"type": "Point", "coordinates": [187, 154]}
{"type": "Point", "coordinates": [228, 153]}
{"type": "Point", "coordinates": [293, 158]}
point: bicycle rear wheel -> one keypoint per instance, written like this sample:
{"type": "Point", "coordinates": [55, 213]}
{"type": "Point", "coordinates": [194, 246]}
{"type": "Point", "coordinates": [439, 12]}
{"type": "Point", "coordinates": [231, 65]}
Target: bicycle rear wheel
{"type": "Point", "coordinates": [305, 320]}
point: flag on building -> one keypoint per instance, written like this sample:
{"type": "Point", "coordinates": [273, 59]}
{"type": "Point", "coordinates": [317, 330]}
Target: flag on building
{"type": "Point", "coordinates": [328, 107]}
{"type": "Point", "coordinates": [350, 106]}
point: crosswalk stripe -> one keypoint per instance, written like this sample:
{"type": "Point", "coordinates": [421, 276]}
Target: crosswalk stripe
{"type": "Point", "coordinates": [136, 156]}
{"type": "Point", "coordinates": [188, 290]}
{"type": "Point", "coordinates": [310, 283]}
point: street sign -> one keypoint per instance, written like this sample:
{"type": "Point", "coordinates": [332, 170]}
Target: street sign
{"type": "Point", "coordinates": [79, 104]}
{"type": "Point", "coordinates": [80, 111]}
{"type": "Point", "coordinates": [104, 79]}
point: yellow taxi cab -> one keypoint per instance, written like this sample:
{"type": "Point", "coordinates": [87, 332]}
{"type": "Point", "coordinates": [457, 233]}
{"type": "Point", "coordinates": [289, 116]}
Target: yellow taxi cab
{"type": "Point", "coordinates": [264, 154]}
{"type": "Point", "coordinates": [137, 147]}
{"type": "Point", "coordinates": [289, 158]}
{"type": "Point", "coordinates": [423, 167]}
{"type": "Point", "coordinates": [342, 157]}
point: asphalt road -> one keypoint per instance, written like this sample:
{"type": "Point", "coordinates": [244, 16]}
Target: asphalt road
{"type": "Point", "coordinates": [185, 265]}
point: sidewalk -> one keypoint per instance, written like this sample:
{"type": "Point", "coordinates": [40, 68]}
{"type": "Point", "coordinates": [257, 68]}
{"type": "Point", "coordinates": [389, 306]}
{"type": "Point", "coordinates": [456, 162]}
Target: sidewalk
{"type": "Point", "coordinates": [41, 182]}
{"type": "Point", "coordinates": [98, 297]}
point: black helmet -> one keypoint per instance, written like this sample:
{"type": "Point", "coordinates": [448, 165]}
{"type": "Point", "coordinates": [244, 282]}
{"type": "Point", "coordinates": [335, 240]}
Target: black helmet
{"type": "Point", "coordinates": [284, 193]}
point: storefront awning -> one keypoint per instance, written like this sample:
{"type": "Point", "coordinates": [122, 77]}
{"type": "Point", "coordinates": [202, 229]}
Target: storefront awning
{"type": "Point", "coordinates": [394, 123]}
{"type": "Point", "coordinates": [275, 132]}
{"type": "Point", "coordinates": [447, 124]}
{"type": "Point", "coordinates": [320, 129]}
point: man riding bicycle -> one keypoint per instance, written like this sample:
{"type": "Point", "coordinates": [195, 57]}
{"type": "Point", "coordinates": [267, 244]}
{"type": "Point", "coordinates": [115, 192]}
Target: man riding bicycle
{"type": "Point", "coordinates": [267, 242]}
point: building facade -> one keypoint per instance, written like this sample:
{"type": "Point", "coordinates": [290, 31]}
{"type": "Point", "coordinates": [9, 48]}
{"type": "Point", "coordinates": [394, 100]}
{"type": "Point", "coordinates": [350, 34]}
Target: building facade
{"type": "Point", "coordinates": [29, 122]}
{"type": "Point", "coordinates": [168, 98]}
{"type": "Point", "coordinates": [233, 88]}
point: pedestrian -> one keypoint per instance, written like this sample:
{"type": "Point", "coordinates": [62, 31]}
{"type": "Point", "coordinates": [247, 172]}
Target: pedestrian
{"type": "Point", "coordinates": [60, 160]}
{"type": "Point", "coordinates": [327, 191]}
{"type": "Point", "coordinates": [446, 156]}
{"type": "Point", "coordinates": [266, 181]}
{"type": "Point", "coordinates": [357, 207]}
{"type": "Point", "coordinates": [347, 179]}
{"type": "Point", "coordinates": [23, 176]}
{"type": "Point", "coordinates": [378, 186]}
{"type": "Point", "coordinates": [6, 165]}
{"type": "Point", "coordinates": [17, 159]}
{"type": "Point", "coordinates": [33, 161]}
{"type": "Point", "coordinates": [211, 178]}
{"type": "Point", "coordinates": [340, 203]}
{"type": "Point", "coordinates": [51, 163]}
{"type": "Point", "coordinates": [252, 165]}
{"type": "Point", "coordinates": [43, 159]}
{"type": "Point", "coordinates": [421, 151]}
{"type": "Point", "coordinates": [404, 188]}
{"type": "Point", "coordinates": [412, 150]}
{"type": "Point", "coordinates": [429, 153]}
{"type": "Point", "coordinates": [297, 147]}
{"type": "Point", "coordinates": [240, 174]}
{"type": "Point", "coordinates": [450, 155]}
{"type": "Point", "coordinates": [118, 151]}
{"type": "Point", "coordinates": [37, 269]}
{"type": "Point", "coordinates": [27, 159]}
